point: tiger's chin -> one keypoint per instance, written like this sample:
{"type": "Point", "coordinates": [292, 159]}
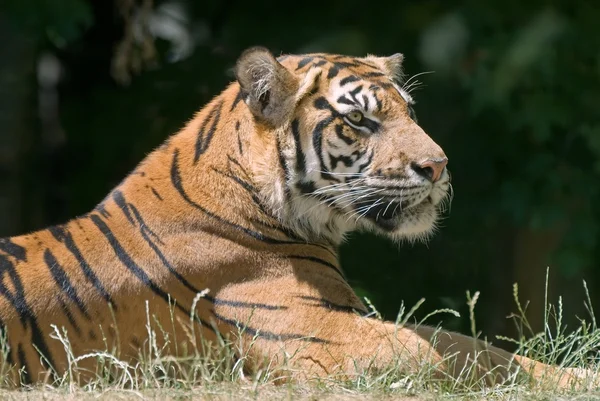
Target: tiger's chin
{"type": "Point", "coordinates": [417, 223]}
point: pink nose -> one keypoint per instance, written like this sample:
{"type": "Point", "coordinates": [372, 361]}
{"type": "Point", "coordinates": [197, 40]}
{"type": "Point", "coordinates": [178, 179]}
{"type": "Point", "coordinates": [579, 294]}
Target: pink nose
{"type": "Point", "coordinates": [431, 169]}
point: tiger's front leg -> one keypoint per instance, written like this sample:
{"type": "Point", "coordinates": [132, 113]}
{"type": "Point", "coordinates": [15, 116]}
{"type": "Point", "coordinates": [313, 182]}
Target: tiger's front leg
{"type": "Point", "coordinates": [292, 325]}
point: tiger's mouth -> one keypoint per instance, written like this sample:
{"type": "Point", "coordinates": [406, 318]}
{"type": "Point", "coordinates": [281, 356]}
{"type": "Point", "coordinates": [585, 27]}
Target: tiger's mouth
{"type": "Point", "coordinates": [385, 215]}
{"type": "Point", "coordinates": [390, 215]}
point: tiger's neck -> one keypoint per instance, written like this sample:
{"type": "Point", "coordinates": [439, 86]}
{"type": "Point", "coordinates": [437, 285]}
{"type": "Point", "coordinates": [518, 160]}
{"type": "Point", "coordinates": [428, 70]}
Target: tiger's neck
{"type": "Point", "coordinates": [222, 172]}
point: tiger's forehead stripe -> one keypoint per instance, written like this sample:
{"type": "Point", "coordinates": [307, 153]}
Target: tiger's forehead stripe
{"type": "Point", "coordinates": [350, 70]}
{"type": "Point", "coordinates": [333, 63]}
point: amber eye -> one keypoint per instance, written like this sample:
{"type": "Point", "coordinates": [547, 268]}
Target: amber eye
{"type": "Point", "coordinates": [355, 117]}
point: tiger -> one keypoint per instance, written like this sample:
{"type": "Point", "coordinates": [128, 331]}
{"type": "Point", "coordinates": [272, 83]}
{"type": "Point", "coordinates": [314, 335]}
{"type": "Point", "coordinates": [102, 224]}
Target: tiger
{"type": "Point", "coordinates": [237, 220]}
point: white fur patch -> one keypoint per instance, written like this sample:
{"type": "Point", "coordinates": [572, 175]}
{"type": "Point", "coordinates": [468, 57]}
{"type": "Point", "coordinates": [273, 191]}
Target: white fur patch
{"type": "Point", "coordinates": [263, 73]}
{"type": "Point", "coordinates": [405, 95]}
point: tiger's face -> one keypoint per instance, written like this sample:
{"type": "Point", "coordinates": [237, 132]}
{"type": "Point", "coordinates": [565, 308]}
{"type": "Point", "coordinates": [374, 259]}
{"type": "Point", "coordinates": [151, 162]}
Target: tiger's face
{"type": "Point", "coordinates": [353, 154]}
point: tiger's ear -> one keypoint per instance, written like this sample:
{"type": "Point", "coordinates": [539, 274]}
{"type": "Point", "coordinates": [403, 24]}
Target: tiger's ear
{"type": "Point", "coordinates": [268, 87]}
{"type": "Point", "coordinates": [391, 65]}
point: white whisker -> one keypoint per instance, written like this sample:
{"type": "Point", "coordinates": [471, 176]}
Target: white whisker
{"type": "Point", "coordinates": [413, 77]}
{"type": "Point", "coordinates": [338, 174]}
{"type": "Point", "coordinates": [377, 203]}
{"type": "Point", "coordinates": [387, 207]}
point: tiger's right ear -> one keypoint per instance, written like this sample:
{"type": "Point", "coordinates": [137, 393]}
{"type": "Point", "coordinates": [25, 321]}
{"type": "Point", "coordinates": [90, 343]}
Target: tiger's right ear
{"type": "Point", "coordinates": [268, 87]}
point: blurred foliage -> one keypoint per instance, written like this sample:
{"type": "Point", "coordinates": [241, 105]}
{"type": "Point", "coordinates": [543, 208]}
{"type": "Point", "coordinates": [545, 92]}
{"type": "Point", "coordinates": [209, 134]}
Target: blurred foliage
{"type": "Point", "coordinates": [60, 22]}
{"type": "Point", "coordinates": [513, 102]}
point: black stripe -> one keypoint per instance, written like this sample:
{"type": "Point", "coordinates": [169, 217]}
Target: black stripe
{"type": "Point", "coordinates": [333, 71]}
{"type": "Point", "coordinates": [237, 163]}
{"type": "Point", "coordinates": [369, 124]}
{"type": "Point", "coordinates": [238, 98]}
{"type": "Point", "coordinates": [102, 210]}
{"type": "Point", "coordinates": [316, 260]}
{"type": "Point", "coordinates": [26, 379]}
{"type": "Point", "coordinates": [339, 131]}
{"type": "Point", "coordinates": [204, 138]}
{"type": "Point", "coordinates": [246, 185]}
{"type": "Point", "coordinates": [125, 259]}
{"type": "Point", "coordinates": [66, 237]}
{"type": "Point", "coordinates": [366, 163]}
{"type": "Point", "coordinates": [240, 147]}
{"type": "Point", "coordinates": [361, 62]}
{"type": "Point", "coordinates": [373, 74]}
{"type": "Point", "coordinates": [334, 160]}
{"type": "Point", "coordinates": [143, 225]}
{"type": "Point", "coordinates": [240, 304]}
{"type": "Point", "coordinates": [355, 92]}
{"type": "Point", "coordinates": [120, 201]}
{"type": "Point", "coordinates": [63, 282]}
{"type": "Point", "coordinates": [366, 102]}
{"type": "Point", "coordinates": [69, 316]}
{"type": "Point", "coordinates": [346, 64]}
{"type": "Point", "coordinates": [252, 191]}
{"type": "Point", "coordinates": [322, 104]}
{"type": "Point", "coordinates": [315, 88]}
{"type": "Point", "coordinates": [349, 79]}
{"type": "Point", "coordinates": [10, 248]}
{"type": "Point", "coordinates": [318, 147]}
{"type": "Point", "coordinates": [18, 301]}
{"type": "Point", "coordinates": [300, 156]}
{"type": "Point", "coordinates": [322, 302]}
{"type": "Point", "coordinates": [39, 341]}
{"type": "Point", "coordinates": [268, 335]}
{"type": "Point", "coordinates": [248, 188]}
{"type": "Point", "coordinates": [140, 274]}
{"type": "Point", "coordinates": [156, 194]}
{"type": "Point", "coordinates": [177, 183]}
{"type": "Point", "coordinates": [144, 231]}
{"type": "Point", "coordinates": [306, 187]}
{"type": "Point", "coordinates": [285, 169]}
{"type": "Point", "coordinates": [344, 100]}
{"type": "Point", "coordinates": [304, 62]}
{"type": "Point", "coordinates": [379, 103]}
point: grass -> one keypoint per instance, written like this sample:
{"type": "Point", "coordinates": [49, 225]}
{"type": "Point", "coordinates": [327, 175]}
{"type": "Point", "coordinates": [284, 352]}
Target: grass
{"type": "Point", "coordinates": [212, 372]}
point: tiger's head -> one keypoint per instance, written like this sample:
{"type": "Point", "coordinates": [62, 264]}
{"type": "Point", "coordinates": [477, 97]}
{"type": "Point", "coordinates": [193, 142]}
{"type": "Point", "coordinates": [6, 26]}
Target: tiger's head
{"type": "Point", "coordinates": [347, 142]}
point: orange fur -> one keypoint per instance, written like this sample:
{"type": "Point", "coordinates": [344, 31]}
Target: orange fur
{"type": "Point", "coordinates": [204, 211]}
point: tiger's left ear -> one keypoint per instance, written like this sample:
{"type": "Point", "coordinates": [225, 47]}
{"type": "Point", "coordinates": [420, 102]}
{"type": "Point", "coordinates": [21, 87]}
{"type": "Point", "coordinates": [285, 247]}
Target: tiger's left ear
{"type": "Point", "coordinates": [268, 88]}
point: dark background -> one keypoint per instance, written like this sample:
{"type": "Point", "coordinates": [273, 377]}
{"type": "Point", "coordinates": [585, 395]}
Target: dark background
{"type": "Point", "coordinates": [514, 101]}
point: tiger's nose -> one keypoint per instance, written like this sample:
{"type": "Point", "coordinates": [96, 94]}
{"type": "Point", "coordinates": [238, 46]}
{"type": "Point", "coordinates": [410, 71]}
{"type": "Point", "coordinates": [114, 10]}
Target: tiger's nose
{"type": "Point", "coordinates": [431, 169]}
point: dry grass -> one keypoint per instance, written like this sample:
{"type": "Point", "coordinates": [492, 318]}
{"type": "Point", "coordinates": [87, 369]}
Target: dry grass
{"type": "Point", "coordinates": [212, 373]}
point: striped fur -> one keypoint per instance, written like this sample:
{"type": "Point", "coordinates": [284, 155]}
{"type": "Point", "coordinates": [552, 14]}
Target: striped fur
{"type": "Point", "coordinates": [249, 200]}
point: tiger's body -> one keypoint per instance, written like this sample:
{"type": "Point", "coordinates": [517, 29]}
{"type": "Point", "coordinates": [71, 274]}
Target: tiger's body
{"type": "Point", "coordinates": [250, 200]}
